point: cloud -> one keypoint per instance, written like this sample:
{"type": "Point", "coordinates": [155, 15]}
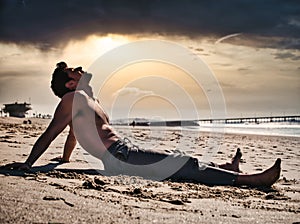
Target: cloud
{"type": "Point", "coordinates": [287, 55]}
{"type": "Point", "coordinates": [294, 21]}
{"type": "Point", "coordinates": [258, 41]}
{"type": "Point", "coordinates": [132, 91]}
{"type": "Point", "coordinates": [53, 23]}
{"type": "Point", "coordinates": [224, 64]}
{"type": "Point", "coordinates": [227, 37]}
{"type": "Point", "coordinates": [244, 68]}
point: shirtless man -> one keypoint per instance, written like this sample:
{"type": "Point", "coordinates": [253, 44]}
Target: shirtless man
{"type": "Point", "coordinates": [89, 125]}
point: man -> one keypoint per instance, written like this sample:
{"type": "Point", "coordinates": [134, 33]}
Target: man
{"type": "Point", "coordinates": [89, 124]}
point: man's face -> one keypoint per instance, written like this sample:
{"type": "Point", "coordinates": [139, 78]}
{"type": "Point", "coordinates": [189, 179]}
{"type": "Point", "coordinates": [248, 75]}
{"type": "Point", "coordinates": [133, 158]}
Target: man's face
{"type": "Point", "coordinates": [75, 75]}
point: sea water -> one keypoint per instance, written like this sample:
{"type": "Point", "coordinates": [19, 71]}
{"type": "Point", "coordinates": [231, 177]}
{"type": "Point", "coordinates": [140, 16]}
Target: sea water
{"type": "Point", "coordinates": [276, 129]}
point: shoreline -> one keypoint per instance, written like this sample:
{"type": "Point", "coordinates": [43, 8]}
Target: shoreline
{"type": "Point", "coordinates": [197, 130]}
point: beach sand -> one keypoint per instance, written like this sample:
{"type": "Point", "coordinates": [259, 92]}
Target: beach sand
{"type": "Point", "coordinates": [76, 192]}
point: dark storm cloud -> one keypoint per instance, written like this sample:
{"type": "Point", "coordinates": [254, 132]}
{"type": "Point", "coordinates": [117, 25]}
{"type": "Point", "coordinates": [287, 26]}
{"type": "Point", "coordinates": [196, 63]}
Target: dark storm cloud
{"type": "Point", "coordinates": [287, 55]}
{"type": "Point", "coordinates": [49, 23]}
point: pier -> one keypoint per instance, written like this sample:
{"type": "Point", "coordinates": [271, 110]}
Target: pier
{"type": "Point", "coordinates": [257, 120]}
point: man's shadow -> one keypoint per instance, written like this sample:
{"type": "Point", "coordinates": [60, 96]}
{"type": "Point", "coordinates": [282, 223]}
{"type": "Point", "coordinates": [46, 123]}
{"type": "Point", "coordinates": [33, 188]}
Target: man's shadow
{"type": "Point", "coordinates": [47, 168]}
{"type": "Point", "coordinates": [52, 166]}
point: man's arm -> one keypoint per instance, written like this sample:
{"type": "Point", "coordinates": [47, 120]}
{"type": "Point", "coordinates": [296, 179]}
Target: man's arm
{"type": "Point", "coordinates": [62, 117]}
{"type": "Point", "coordinates": [69, 145]}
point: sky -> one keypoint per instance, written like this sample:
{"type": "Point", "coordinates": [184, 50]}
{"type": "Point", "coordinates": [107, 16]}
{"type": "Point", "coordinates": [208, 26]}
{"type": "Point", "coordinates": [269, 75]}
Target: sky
{"type": "Point", "coordinates": [250, 47]}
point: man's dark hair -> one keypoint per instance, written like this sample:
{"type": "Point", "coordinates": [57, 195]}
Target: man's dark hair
{"type": "Point", "coordinates": [59, 79]}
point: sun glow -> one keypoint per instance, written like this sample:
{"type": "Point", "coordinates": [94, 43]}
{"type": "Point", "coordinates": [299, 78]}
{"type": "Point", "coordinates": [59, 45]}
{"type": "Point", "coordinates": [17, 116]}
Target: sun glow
{"type": "Point", "coordinates": [85, 52]}
{"type": "Point", "coordinates": [109, 42]}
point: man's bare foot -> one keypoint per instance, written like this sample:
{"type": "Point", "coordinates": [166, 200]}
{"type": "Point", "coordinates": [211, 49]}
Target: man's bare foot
{"type": "Point", "coordinates": [234, 165]}
{"type": "Point", "coordinates": [264, 179]}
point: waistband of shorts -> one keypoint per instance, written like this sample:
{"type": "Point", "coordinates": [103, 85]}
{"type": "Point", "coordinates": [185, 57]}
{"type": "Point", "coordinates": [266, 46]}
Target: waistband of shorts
{"type": "Point", "coordinates": [118, 149]}
{"type": "Point", "coordinates": [115, 145]}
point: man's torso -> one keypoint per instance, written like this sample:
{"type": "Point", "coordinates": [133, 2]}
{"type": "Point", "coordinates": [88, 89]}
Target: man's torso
{"type": "Point", "coordinates": [90, 125]}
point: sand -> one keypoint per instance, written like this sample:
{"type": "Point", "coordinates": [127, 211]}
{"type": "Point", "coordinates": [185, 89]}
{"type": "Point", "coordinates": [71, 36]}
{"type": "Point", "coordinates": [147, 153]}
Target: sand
{"type": "Point", "coordinates": [76, 192]}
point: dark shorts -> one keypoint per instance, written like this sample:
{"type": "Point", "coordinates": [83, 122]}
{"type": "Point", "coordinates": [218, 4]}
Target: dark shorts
{"type": "Point", "coordinates": [162, 165]}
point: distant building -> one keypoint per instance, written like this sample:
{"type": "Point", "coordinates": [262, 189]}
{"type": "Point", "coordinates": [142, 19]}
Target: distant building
{"type": "Point", "coordinates": [16, 109]}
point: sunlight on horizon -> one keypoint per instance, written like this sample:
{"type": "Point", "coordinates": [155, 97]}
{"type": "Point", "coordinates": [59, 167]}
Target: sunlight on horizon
{"type": "Point", "coordinates": [160, 80]}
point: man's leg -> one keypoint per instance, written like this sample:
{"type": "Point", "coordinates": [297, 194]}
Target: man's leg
{"type": "Point", "coordinates": [217, 176]}
{"type": "Point", "coordinates": [204, 174]}
{"type": "Point", "coordinates": [266, 178]}
{"type": "Point", "coordinates": [158, 165]}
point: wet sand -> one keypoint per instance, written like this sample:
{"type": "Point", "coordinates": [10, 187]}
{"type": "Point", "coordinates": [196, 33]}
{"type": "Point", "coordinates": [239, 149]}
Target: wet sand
{"type": "Point", "coordinates": [76, 192]}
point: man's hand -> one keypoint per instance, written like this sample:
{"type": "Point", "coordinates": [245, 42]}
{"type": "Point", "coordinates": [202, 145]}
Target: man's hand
{"type": "Point", "coordinates": [59, 159]}
{"type": "Point", "coordinates": [17, 166]}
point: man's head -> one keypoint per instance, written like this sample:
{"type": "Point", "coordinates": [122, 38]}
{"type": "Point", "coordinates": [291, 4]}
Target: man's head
{"type": "Point", "coordinates": [65, 79]}
{"type": "Point", "coordinates": [59, 79]}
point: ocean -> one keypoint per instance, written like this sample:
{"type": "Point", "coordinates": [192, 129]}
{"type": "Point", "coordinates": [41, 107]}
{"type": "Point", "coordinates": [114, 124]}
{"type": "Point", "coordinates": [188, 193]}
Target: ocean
{"type": "Point", "coordinates": [275, 129]}
{"type": "Point", "coordinates": [279, 128]}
